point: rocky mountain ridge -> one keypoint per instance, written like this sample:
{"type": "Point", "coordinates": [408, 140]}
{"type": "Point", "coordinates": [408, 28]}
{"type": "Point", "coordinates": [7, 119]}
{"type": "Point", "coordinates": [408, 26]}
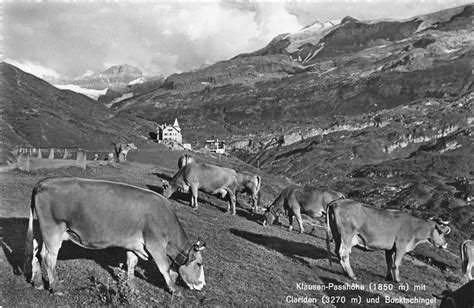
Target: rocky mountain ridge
{"type": "Point", "coordinates": [114, 77]}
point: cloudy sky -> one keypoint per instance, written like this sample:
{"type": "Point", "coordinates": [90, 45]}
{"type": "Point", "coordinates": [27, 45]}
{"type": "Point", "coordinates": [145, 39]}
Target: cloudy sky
{"type": "Point", "coordinates": [71, 39]}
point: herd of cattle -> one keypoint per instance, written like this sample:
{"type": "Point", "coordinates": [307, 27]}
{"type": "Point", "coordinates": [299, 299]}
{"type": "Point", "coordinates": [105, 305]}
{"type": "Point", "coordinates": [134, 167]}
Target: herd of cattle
{"type": "Point", "coordinates": [145, 224]}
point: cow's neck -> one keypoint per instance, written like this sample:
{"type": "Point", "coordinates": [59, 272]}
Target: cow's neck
{"type": "Point", "coordinates": [178, 250]}
{"type": "Point", "coordinates": [424, 233]}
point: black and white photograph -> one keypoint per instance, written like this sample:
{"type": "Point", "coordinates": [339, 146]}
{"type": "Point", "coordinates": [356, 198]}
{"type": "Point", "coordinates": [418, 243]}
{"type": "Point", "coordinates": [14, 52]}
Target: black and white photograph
{"type": "Point", "coordinates": [237, 153]}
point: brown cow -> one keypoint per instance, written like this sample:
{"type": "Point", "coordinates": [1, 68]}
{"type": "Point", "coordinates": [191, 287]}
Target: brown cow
{"type": "Point", "coordinates": [97, 214]}
{"type": "Point", "coordinates": [467, 259]}
{"type": "Point", "coordinates": [297, 200]}
{"type": "Point", "coordinates": [249, 184]}
{"type": "Point", "coordinates": [207, 178]}
{"type": "Point", "coordinates": [353, 223]}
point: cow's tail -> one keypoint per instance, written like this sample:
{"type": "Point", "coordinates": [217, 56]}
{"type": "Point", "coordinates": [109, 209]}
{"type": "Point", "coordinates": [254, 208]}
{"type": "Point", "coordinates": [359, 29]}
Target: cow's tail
{"type": "Point", "coordinates": [30, 249]}
{"type": "Point", "coordinates": [463, 261]}
{"type": "Point", "coordinates": [328, 231]}
{"type": "Point", "coordinates": [328, 241]}
{"type": "Point", "coordinates": [257, 190]}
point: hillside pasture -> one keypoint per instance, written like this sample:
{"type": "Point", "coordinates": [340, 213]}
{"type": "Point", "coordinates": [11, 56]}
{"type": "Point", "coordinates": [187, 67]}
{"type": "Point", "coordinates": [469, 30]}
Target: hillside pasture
{"type": "Point", "coordinates": [245, 263]}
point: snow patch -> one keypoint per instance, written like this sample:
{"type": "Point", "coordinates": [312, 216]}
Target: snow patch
{"type": "Point", "coordinates": [137, 81]}
{"type": "Point", "coordinates": [92, 93]}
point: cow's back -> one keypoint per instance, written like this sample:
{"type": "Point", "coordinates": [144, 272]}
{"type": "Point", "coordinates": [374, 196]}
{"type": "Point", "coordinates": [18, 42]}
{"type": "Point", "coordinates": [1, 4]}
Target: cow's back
{"type": "Point", "coordinates": [313, 200]}
{"type": "Point", "coordinates": [209, 175]}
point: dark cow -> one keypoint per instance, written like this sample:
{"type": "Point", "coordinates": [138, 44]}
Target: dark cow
{"type": "Point", "coordinates": [467, 259]}
{"type": "Point", "coordinates": [249, 184]}
{"type": "Point", "coordinates": [184, 160]}
{"type": "Point", "coordinates": [297, 200]}
{"type": "Point", "coordinates": [461, 298]}
{"type": "Point", "coordinates": [98, 214]}
{"type": "Point", "coordinates": [207, 178]}
{"type": "Point", "coordinates": [353, 223]}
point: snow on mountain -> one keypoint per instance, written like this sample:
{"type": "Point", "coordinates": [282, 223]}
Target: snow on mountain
{"type": "Point", "coordinates": [311, 34]}
{"type": "Point", "coordinates": [137, 81]}
{"type": "Point", "coordinates": [94, 94]}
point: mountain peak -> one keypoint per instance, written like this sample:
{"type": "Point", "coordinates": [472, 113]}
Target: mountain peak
{"type": "Point", "coordinates": [122, 69]}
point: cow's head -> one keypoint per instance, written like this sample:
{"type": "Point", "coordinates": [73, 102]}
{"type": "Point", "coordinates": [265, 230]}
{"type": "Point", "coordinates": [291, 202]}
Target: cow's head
{"type": "Point", "coordinates": [438, 233]}
{"type": "Point", "coordinates": [167, 192]}
{"type": "Point", "coordinates": [132, 146]}
{"type": "Point", "coordinates": [272, 215]}
{"type": "Point", "coordinates": [192, 272]}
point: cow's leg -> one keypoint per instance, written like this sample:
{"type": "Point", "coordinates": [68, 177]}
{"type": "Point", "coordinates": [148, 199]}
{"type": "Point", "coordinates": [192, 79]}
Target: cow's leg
{"type": "Point", "coordinates": [231, 201]}
{"type": "Point", "coordinates": [299, 219]}
{"type": "Point", "coordinates": [397, 261]}
{"type": "Point", "coordinates": [36, 266]}
{"type": "Point", "coordinates": [255, 202]}
{"type": "Point", "coordinates": [389, 259]}
{"type": "Point", "coordinates": [51, 244]}
{"type": "Point", "coordinates": [344, 253]}
{"type": "Point", "coordinates": [132, 260]}
{"type": "Point", "coordinates": [290, 220]}
{"type": "Point", "coordinates": [161, 259]}
{"type": "Point", "coordinates": [194, 195]}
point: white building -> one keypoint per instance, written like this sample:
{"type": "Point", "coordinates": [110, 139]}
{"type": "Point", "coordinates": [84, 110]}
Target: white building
{"type": "Point", "coordinates": [215, 146]}
{"type": "Point", "coordinates": [169, 133]}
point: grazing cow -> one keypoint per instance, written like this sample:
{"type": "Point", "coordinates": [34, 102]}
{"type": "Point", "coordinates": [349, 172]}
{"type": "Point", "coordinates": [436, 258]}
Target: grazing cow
{"type": "Point", "coordinates": [461, 298]}
{"type": "Point", "coordinates": [297, 200]}
{"type": "Point", "coordinates": [467, 258]}
{"type": "Point", "coordinates": [250, 184]}
{"type": "Point", "coordinates": [353, 223]}
{"type": "Point", "coordinates": [207, 178]}
{"type": "Point", "coordinates": [121, 150]}
{"type": "Point", "coordinates": [185, 160]}
{"type": "Point", "coordinates": [97, 214]}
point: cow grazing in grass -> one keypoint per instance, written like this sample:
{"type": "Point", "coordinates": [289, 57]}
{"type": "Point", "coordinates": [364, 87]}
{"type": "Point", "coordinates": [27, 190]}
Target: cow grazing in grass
{"type": "Point", "coordinates": [467, 259]}
{"type": "Point", "coordinates": [355, 224]}
{"type": "Point", "coordinates": [98, 214]}
{"type": "Point", "coordinates": [297, 200]}
{"type": "Point", "coordinates": [249, 184]}
{"type": "Point", "coordinates": [184, 160]}
{"type": "Point", "coordinates": [461, 298]}
{"type": "Point", "coordinates": [121, 150]}
{"type": "Point", "coordinates": [207, 178]}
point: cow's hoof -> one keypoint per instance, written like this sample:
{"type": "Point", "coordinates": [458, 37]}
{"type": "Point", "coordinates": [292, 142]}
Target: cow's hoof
{"type": "Point", "coordinates": [176, 294]}
{"type": "Point", "coordinates": [38, 286]}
